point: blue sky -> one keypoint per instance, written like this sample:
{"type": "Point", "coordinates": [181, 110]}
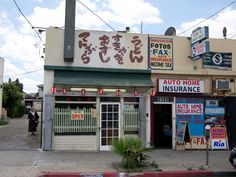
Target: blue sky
{"type": "Point", "coordinates": [22, 52]}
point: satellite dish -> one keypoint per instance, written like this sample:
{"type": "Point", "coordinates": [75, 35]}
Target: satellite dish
{"type": "Point", "coordinates": [170, 31]}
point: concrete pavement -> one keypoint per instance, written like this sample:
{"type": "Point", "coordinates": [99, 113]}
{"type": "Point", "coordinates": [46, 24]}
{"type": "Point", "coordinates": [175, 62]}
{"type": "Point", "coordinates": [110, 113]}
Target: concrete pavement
{"type": "Point", "coordinates": [24, 159]}
{"type": "Point", "coordinates": [31, 163]}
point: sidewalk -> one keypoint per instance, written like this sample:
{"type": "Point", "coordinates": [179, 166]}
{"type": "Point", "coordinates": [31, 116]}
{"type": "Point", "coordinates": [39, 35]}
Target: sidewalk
{"type": "Point", "coordinates": [33, 163]}
{"type": "Point", "coordinates": [19, 157]}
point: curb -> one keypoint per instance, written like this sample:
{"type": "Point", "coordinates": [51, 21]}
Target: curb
{"type": "Point", "coordinates": [144, 174]}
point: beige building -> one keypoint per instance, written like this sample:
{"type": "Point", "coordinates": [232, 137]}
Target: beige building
{"type": "Point", "coordinates": [182, 83]}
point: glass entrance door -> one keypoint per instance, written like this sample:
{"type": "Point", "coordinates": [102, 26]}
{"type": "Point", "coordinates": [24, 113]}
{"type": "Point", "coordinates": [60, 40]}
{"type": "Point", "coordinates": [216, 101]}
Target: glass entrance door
{"type": "Point", "coordinates": [110, 125]}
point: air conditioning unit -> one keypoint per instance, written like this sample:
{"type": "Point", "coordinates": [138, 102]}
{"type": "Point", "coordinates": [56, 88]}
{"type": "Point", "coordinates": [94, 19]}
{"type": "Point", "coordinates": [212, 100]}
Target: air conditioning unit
{"type": "Point", "coordinates": [221, 84]}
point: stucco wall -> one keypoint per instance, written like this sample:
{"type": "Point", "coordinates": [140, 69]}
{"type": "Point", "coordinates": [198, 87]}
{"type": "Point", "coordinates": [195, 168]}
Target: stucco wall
{"type": "Point", "coordinates": [183, 64]}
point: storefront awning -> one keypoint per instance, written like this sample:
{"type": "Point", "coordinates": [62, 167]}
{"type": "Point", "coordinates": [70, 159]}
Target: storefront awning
{"type": "Point", "coordinates": [103, 79]}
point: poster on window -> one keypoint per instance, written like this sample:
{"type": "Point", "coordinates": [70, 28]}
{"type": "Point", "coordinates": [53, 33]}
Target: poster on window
{"type": "Point", "coordinates": [160, 53]}
{"type": "Point", "coordinates": [191, 110]}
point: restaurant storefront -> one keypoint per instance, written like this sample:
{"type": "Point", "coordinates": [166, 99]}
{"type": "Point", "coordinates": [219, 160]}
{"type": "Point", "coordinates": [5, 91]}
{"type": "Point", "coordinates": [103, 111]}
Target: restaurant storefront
{"type": "Point", "coordinates": [100, 97]}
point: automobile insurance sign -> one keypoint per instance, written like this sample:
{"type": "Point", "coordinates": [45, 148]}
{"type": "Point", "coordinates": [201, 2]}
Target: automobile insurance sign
{"type": "Point", "coordinates": [180, 86]}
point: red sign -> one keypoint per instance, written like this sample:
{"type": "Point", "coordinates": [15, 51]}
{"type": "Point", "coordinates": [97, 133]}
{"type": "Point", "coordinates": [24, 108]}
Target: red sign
{"type": "Point", "coordinates": [218, 133]}
{"type": "Point", "coordinates": [77, 115]}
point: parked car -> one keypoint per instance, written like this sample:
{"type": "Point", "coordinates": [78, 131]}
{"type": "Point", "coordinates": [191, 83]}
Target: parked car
{"type": "Point", "coordinates": [232, 157]}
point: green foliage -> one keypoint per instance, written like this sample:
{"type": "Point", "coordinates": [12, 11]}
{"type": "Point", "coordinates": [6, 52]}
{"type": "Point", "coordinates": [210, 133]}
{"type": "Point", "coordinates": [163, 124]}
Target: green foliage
{"type": "Point", "coordinates": [132, 152]}
{"type": "Point", "coordinates": [3, 121]}
{"type": "Point", "coordinates": [12, 98]}
{"type": "Point", "coordinates": [155, 165]}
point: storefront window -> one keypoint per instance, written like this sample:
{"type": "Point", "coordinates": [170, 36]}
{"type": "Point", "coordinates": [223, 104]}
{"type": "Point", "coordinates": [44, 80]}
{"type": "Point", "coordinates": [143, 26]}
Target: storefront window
{"type": "Point", "coordinates": [75, 117]}
{"type": "Point", "coordinates": [131, 116]}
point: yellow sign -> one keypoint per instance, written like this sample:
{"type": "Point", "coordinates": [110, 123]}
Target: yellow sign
{"type": "Point", "coordinates": [77, 115]}
{"type": "Point", "coordinates": [161, 53]}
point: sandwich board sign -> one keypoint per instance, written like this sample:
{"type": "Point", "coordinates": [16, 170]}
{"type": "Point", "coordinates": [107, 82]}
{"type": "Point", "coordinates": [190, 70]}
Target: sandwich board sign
{"type": "Point", "coordinates": [182, 133]}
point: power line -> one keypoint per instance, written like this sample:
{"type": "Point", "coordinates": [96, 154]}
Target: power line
{"type": "Point", "coordinates": [27, 20]}
{"type": "Point", "coordinates": [96, 15]}
{"type": "Point", "coordinates": [208, 17]}
{"type": "Point", "coordinates": [28, 72]}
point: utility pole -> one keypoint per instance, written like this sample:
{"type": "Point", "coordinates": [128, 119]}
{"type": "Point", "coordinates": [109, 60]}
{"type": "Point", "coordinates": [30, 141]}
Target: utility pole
{"type": "Point", "coordinates": [69, 32]}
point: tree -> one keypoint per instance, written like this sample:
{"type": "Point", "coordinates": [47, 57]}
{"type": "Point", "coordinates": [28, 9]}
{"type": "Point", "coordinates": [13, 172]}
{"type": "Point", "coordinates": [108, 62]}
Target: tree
{"type": "Point", "coordinates": [12, 98]}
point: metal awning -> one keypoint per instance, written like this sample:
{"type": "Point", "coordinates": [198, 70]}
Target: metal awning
{"type": "Point", "coordinates": [102, 79]}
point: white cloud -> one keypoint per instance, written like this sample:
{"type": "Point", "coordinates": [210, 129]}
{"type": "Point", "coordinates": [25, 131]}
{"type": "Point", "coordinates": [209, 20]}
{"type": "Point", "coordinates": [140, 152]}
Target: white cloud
{"type": "Point", "coordinates": [117, 14]}
{"type": "Point", "coordinates": [216, 24]}
{"type": "Point", "coordinates": [18, 40]}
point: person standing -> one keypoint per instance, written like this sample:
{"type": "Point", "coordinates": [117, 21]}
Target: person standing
{"type": "Point", "coordinates": [33, 121]}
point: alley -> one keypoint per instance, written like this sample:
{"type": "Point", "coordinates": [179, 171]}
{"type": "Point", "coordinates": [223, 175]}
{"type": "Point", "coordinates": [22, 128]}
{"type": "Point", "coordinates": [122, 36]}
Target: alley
{"type": "Point", "coordinates": [15, 136]}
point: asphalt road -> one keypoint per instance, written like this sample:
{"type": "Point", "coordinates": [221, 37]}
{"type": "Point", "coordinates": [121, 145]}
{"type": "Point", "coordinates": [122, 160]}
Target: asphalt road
{"type": "Point", "coordinates": [15, 136]}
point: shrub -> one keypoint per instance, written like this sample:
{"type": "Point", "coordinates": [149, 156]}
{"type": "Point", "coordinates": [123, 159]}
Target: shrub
{"type": "Point", "coordinates": [132, 152]}
{"type": "Point", "coordinates": [3, 121]}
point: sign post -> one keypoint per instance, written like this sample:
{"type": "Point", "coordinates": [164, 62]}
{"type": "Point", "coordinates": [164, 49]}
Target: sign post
{"type": "Point", "coordinates": [207, 134]}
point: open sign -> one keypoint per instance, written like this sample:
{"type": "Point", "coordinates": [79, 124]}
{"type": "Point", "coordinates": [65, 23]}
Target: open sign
{"type": "Point", "coordinates": [77, 115]}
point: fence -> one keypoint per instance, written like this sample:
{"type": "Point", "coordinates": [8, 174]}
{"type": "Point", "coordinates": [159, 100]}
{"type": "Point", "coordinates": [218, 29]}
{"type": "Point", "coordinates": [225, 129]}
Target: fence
{"type": "Point", "coordinates": [64, 124]}
{"type": "Point", "coordinates": [131, 120]}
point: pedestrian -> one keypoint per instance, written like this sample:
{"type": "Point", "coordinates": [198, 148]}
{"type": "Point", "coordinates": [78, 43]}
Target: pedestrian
{"type": "Point", "coordinates": [33, 121]}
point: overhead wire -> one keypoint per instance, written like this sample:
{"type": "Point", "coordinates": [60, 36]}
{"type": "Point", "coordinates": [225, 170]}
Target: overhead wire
{"type": "Point", "coordinates": [96, 15]}
{"type": "Point", "coordinates": [208, 17]}
{"type": "Point", "coordinates": [28, 72]}
{"type": "Point", "coordinates": [27, 20]}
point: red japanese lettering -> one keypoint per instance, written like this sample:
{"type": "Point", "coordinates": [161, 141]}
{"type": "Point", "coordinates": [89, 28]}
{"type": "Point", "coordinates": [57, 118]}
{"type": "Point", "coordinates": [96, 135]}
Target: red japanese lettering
{"type": "Point", "coordinates": [103, 49]}
{"type": "Point", "coordinates": [117, 47]}
{"type": "Point", "coordinates": [88, 49]}
{"type": "Point", "coordinates": [136, 53]}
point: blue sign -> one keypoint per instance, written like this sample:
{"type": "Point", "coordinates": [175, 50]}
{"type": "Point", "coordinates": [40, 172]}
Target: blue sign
{"type": "Point", "coordinates": [214, 111]}
{"type": "Point", "coordinates": [191, 111]}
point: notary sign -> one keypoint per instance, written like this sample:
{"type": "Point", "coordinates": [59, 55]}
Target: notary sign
{"type": "Point", "coordinates": [161, 53]}
{"type": "Point", "coordinates": [77, 115]}
{"type": "Point", "coordinates": [180, 86]}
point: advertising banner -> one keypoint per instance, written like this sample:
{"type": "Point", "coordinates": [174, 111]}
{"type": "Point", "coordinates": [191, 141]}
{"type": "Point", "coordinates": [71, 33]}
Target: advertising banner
{"type": "Point", "coordinates": [214, 114]}
{"type": "Point", "coordinates": [218, 137]}
{"type": "Point", "coordinates": [200, 48]}
{"type": "Point", "coordinates": [216, 60]}
{"type": "Point", "coordinates": [180, 86]}
{"type": "Point", "coordinates": [191, 110]}
{"type": "Point", "coordinates": [160, 53]}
